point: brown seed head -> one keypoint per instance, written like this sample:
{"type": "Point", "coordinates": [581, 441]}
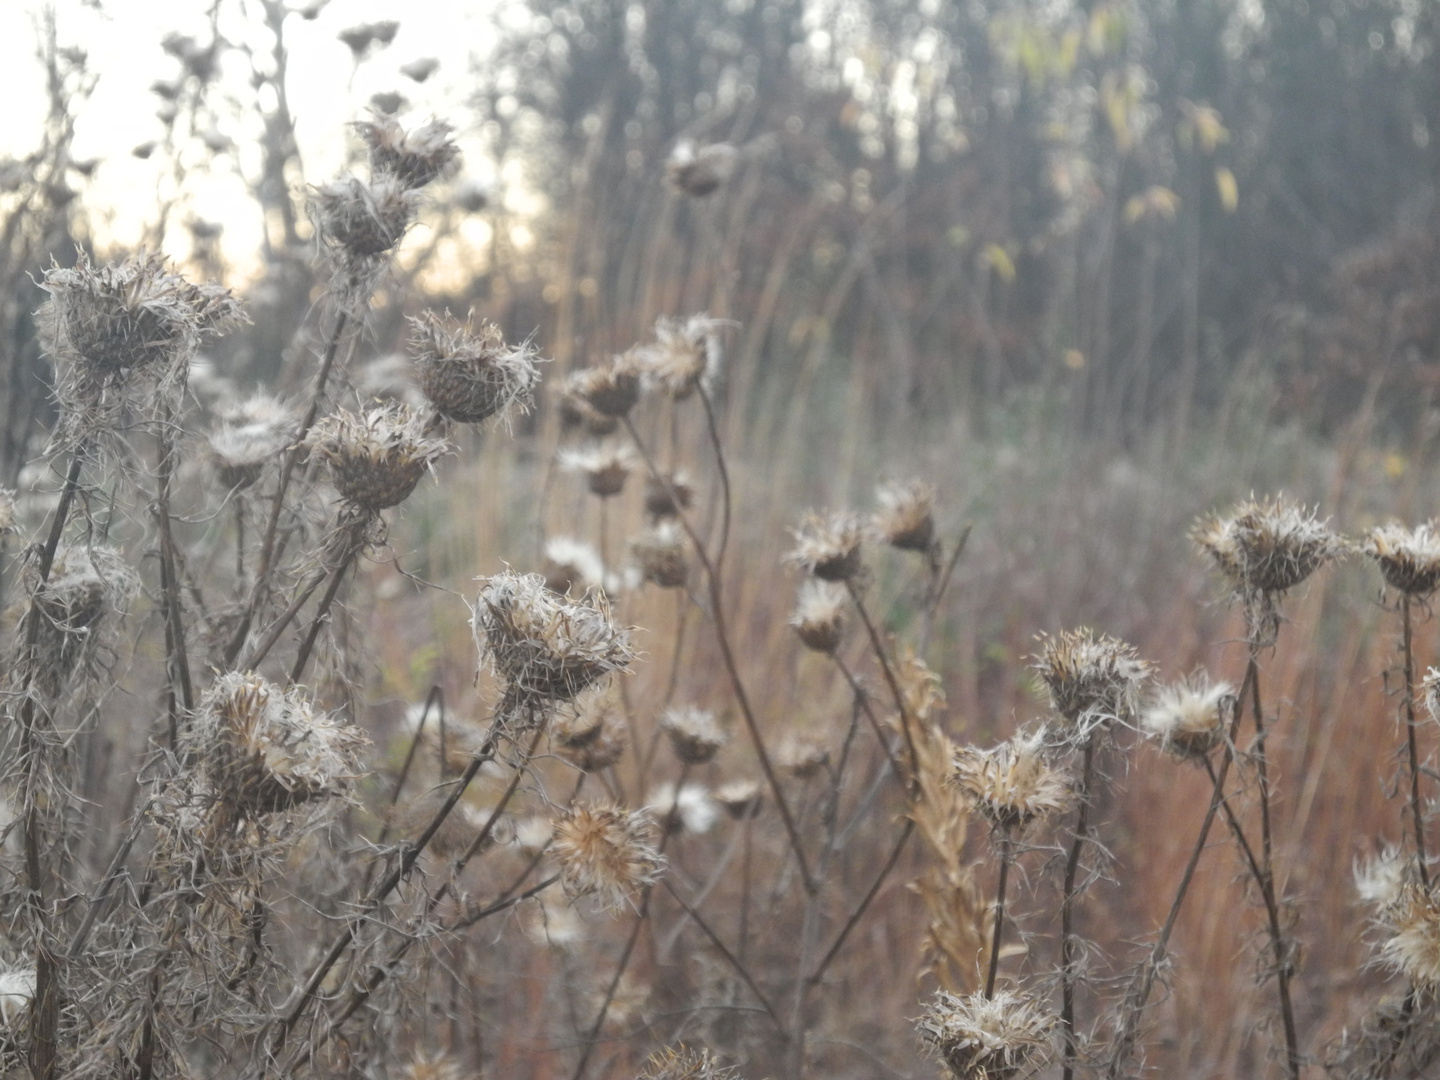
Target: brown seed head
{"type": "Point", "coordinates": [801, 755]}
{"type": "Point", "coordinates": [1409, 559]}
{"type": "Point", "coordinates": [668, 497]}
{"type": "Point", "coordinates": [577, 414]}
{"type": "Point", "coordinates": [740, 798]}
{"type": "Point", "coordinates": [605, 466]}
{"type": "Point", "coordinates": [829, 546]}
{"type": "Point", "coordinates": [820, 614]}
{"type": "Point", "coordinates": [682, 1063]}
{"type": "Point", "coordinates": [1411, 945]}
{"type": "Point", "coordinates": [686, 353]}
{"type": "Point", "coordinates": [610, 389]}
{"type": "Point", "coordinates": [1189, 717]}
{"type": "Point", "coordinates": [1266, 548]}
{"type": "Point", "coordinates": [468, 373]}
{"type": "Point", "coordinates": [414, 158]}
{"type": "Point", "coordinates": [700, 172]}
{"type": "Point", "coordinates": [1092, 680]}
{"type": "Point", "coordinates": [660, 554]}
{"type": "Point", "coordinates": [906, 518]}
{"type": "Point", "coordinates": [591, 737]}
{"type": "Point", "coordinates": [250, 435]}
{"type": "Point", "coordinates": [88, 583]}
{"type": "Point", "coordinates": [572, 565]}
{"type": "Point", "coordinates": [606, 852]}
{"type": "Point", "coordinates": [696, 735]}
{"type": "Point", "coordinates": [980, 1039]}
{"type": "Point", "coordinates": [376, 457]}
{"type": "Point", "coordinates": [1012, 784]}
{"type": "Point", "coordinates": [364, 220]}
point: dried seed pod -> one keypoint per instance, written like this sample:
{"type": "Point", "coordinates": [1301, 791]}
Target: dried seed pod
{"type": "Point", "coordinates": [590, 738]}
{"type": "Point", "coordinates": [1266, 548]}
{"type": "Point", "coordinates": [415, 158]}
{"type": "Point", "coordinates": [572, 565]}
{"type": "Point", "coordinates": [363, 219]}
{"type": "Point", "coordinates": [376, 457]}
{"type": "Point", "coordinates": [611, 389]}
{"type": "Point", "coordinates": [801, 755]}
{"type": "Point", "coordinates": [660, 554]}
{"type": "Point", "coordinates": [1093, 681]}
{"type": "Point", "coordinates": [468, 373]}
{"type": "Point", "coordinates": [1012, 784]}
{"type": "Point", "coordinates": [1408, 558]}
{"type": "Point", "coordinates": [829, 546]}
{"type": "Point", "coordinates": [605, 466]}
{"type": "Point", "coordinates": [606, 852]}
{"type": "Point", "coordinates": [700, 172]}
{"type": "Point", "coordinates": [668, 497]}
{"type": "Point", "coordinates": [249, 436]}
{"type": "Point", "coordinates": [820, 613]}
{"type": "Point", "coordinates": [982, 1038]}
{"type": "Point", "coordinates": [696, 735]}
{"type": "Point", "coordinates": [906, 518]}
{"type": "Point", "coordinates": [686, 353]}
{"type": "Point", "coordinates": [577, 414]}
{"type": "Point", "coordinates": [1189, 717]}
{"type": "Point", "coordinates": [740, 798]}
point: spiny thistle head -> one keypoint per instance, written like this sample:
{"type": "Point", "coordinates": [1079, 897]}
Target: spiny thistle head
{"type": "Point", "coordinates": [660, 554]}
{"type": "Point", "coordinates": [1266, 548]}
{"type": "Point", "coordinates": [438, 1067]}
{"type": "Point", "coordinates": [820, 614]}
{"type": "Point", "coordinates": [364, 220]}
{"type": "Point", "coordinates": [801, 755]}
{"type": "Point", "coordinates": [415, 158]}
{"type": "Point", "coordinates": [87, 584]}
{"type": "Point", "coordinates": [133, 315]}
{"type": "Point", "coordinates": [669, 496]}
{"type": "Point", "coordinates": [610, 389]}
{"type": "Point", "coordinates": [1411, 929]}
{"type": "Point", "coordinates": [607, 852]}
{"type": "Point", "coordinates": [250, 435]}
{"type": "Point", "coordinates": [828, 546]}
{"type": "Point", "coordinates": [685, 354]}
{"type": "Point", "coordinates": [687, 808]}
{"type": "Point", "coordinates": [696, 735]}
{"type": "Point", "coordinates": [1189, 717]}
{"type": "Point", "coordinates": [378, 456]}
{"type": "Point", "coordinates": [1012, 784]}
{"type": "Point", "coordinates": [605, 466]}
{"type": "Point", "coordinates": [740, 798]}
{"type": "Point", "coordinates": [906, 518]}
{"type": "Point", "coordinates": [1381, 880]}
{"type": "Point", "coordinates": [548, 647]}
{"type": "Point", "coordinates": [987, 1039]}
{"type": "Point", "coordinates": [1409, 559]}
{"type": "Point", "coordinates": [1093, 681]}
{"type": "Point", "coordinates": [700, 172]}
{"type": "Point", "coordinates": [264, 748]}
{"type": "Point", "coordinates": [577, 414]}
{"type": "Point", "coordinates": [572, 564]}
{"type": "Point", "coordinates": [682, 1063]}
{"type": "Point", "coordinates": [467, 372]}
{"type": "Point", "coordinates": [590, 737]}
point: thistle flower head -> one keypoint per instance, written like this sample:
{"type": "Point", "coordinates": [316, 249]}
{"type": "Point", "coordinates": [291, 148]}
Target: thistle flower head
{"type": "Point", "coordinates": [1411, 929]}
{"type": "Point", "coordinates": [415, 158]}
{"type": "Point", "coordinates": [1381, 880]}
{"type": "Point", "coordinates": [577, 414]}
{"type": "Point", "coordinates": [610, 389]}
{"type": "Point", "coordinates": [686, 353]}
{"type": "Point", "coordinates": [660, 555]}
{"type": "Point", "coordinates": [1188, 717]}
{"type": "Point", "coordinates": [1011, 784]}
{"type": "Point", "coordinates": [1409, 559]}
{"type": "Point", "coordinates": [605, 466]}
{"type": "Point", "coordinates": [250, 435]}
{"type": "Point", "coordinates": [1093, 681]}
{"type": "Point", "coordinates": [1266, 548]}
{"type": "Point", "coordinates": [606, 852]}
{"type": "Point", "coordinates": [820, 614]}
{"type": "Point", "coordinates": [590, 736]}
{"type": "Point", "coordinates": [669, 496]}
{"type": "Point", "coordinates": [378, 456]}
{"type": "Point", "coordinates": [700, 171]}
{"type": "Point", "coordinates": [801, 755]}
{"type": "Point", "coordinates": [364, 220]}
{"type": "Point", "coordinates": [468, 373]}
{"type": "Point", "coordinates": [688, 807]}
{"type": "Point", "coordinates": [987, 1039]}
{"type": "Point", "coordinates": [682, 1063]}
{"type": "Point", "coordinates": [548, 647]}
{"type": "Point", "coordinates": [829, 546]}
{"type": "Point", "coordinates": [87, 584]}
{"type": "Point", "coordinates": [696, 735]}
{"type": "Point", "coordinates": [572, 564]}
{"type": "Point", "coordinates": [263, 748]}
{"type": "Point", "coordinates": [906, 518]}
{"type": "Point", "coordinates": [740, 798]}
{"type": "Point", "coordinates": [133, 315]}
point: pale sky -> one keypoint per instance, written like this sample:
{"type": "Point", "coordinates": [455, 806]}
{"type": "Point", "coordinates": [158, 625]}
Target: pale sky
{"type": "Point", "coordinates": [123, 45]}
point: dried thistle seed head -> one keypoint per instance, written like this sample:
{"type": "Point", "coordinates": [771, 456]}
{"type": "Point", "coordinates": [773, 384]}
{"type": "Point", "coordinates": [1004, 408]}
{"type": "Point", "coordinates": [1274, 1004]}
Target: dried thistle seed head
{"type": "Point", "coordinates": [362, 219]}
{"type": "Point", "coordinates": [87, 584]}
{"type": "Point", "coordinates": [700, 172]}
{"type": "Point", "coordinates": [572, 564]}
{"type": "Point", "coordinates": [686, 354]}
{"type": "Point", "coordinates": [438, 1067]}
{"type": "Point", "coordinates": [605, 466]}
{"type": "Point", "coordinates": [660, 554]}
{"type": "Point", "coordinates": [1380, 881]}
{"type": "Point", "coordinates": [468, 373]}
{"type": "Point", "coordinates": [378, 456]}
{"type": "Point", "coordinates": [1266, 548]}
{"type": "Point", "coordinates": [414, 158]}
{"type": "Point", "coordinates": [689, 808]}
{"type": "Point", "coordinates": [250, 435]}
{"type": "Point", "coordinates": [801, 755]}
{"type": "Point", "coordinates": [828, 546]}
{"type": "Point", "coordinates": [17, 988]}
{"type": "Point", "coordinates": [262, 748]}
{"type": "Point", "coordinates": [610, 389]}
{"type": "Point", "coordinates": [682, 1063]}
{"type": "Point", "coordinates": [1093, 681]}
{"type": "Point", "coordinates": [1012, 784]}
{"type": "Point", "coordinates": [606, 852]}
{"type": "Point", "coordinates": [669, 496]}
{"type": "Point", "coordinates": [545, 646]}
{"type": "Point", "coordinates": [696, 735]}
{"type": "Point", "coordinates": [591, 736]}
{"type": "Point", "coordinates": [577, 414]}
{"type": "Point", "coordinates": [1411, 925]}
{"type": "Point", "coordinates": [820, 614]}
{"type": "Point", "coordinates": [740, 798]}
{"type": "Point", "coordinates": [133, 315]}
{"type": "Point", "coordinates": [980, 1039]}
{"type": "Point", "coordinates": [906, 518]}
{"type": "Point", "coordinates": [1189, 717]}
{"type": "Point", "coordinates": [1408, 558]}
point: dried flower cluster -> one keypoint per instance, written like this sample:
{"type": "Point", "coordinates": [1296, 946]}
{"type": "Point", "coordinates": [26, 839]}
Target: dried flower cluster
{"type": "Point", "coordinates": [686, 354]}
{"type": "Point", "coordinates": [1092, 680]}
{"type": "Point", "coordinates": [696, 735]}
{"type": "Point", "coordinates": [607, 852]}
{"type": "Point", "coordinates": [610, 389]}
{"type": "Point", "coordinates": [1409, 559]}
{"type": "Point", "coordinates": [682, 1063]}
{"type": "Point", "coordinates": [1266, 548]}
{"type": "Point", "coordinates": [987, 1039]}
{"type": "Point", "coordinates": [545, 646]}
{"type": "Point", "coordinates": [605, 466]}
{"type": "Point", "coordinates": [250, 435]}
{"type": "Point", "coordinates": [700, 172]}
{"type": "Point", "coordinates": [415, 158]}
{"type": "Point", "coordinates": [828, 546]}
{"type": "Point", "coordinates": [1012, 784]}
{"type": "Point", "coordinates": [906, 518]}
{"type": "Point", "coordinates": [820, 613]}
{"type": "Point", "coordinates": [376, 457]}
{"type": "Point", "coordinates": [467, 372]}
{"type": "Point", "coordinates": [660, 555]}
{"type": "Point", "coordinates": [1189, 717]}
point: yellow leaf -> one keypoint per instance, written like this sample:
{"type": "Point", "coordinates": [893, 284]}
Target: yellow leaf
{"type": "Point", "coordinates": [1000, 261]}
{"type": "Point", "coordinates": [1228, 189]}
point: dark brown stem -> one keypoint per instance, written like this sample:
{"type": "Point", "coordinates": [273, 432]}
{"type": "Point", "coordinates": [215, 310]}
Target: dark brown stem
{"type": "Point", "coordinates": [177, 659]}
{"type": "Point", "coordinates": [724, 472]}
{"type": "Point", "coordinates": [1418, 817]}
{"type": "Point", "coordinates": [913, 779]}
{"type": "Point", "coordinates": [859, 912]}
{"type": "Point", "coordinates": [1067, 911]}
{"type": "Point", "coordinates": [1002, 841]}
{"type": "Point", "coordinates": [354, 544]}
{"type": "Point", "coordinates": [726, 954]}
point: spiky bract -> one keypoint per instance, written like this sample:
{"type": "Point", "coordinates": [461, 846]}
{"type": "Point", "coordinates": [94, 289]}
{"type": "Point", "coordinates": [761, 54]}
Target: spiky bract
{"type": "Point", "coordinates": [415, 158]}
{"type": "Point", "coordinates": [606, 852]}
{"type": "Point", "coordinates": [364, 220]}
{"type": "Point", "coordinates": [1266, 548]}
{"type": "Point", "coordinates": [1092, 680]}
{"type": "Point", "coordinates": [378, 456]}
{"type": "Point", "coordinates": [987, 1039]}
{"type": "Point", "coordinates": [468, 372]}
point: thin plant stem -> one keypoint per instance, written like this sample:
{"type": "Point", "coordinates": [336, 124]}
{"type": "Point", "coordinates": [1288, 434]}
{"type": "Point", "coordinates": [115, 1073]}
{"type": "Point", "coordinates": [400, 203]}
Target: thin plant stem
{"type": "Point", "coordinates": [1417, 815]}
{"type": "Point", "coordinates": [892, 681]}
{"type": "Point", "coordinates": [724, 472]}
{"type": "Point", "coordinates": [859, 912]}
{"type": "Point", "coordinates": [355, 542]}
{"type": "Point", "coordinates": [1067, 910]}
{"type": "Point", "coordinates": [729, 957]}
{"type": "Point", "coordinates": [1002, 842]}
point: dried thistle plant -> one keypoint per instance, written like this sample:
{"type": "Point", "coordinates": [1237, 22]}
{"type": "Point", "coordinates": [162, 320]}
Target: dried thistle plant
{"type": "Point", "coordinates": [1012, 784]}
{"type": "Point", "coordinates": [610, 389]}
{"type": "Point", "coordinates": [572, 564]}
{"type": "Point", "coordinates": [376, 457]}
{"type": "Point", "coordinates": [1267, 548]}
{"type": "Point", "coordinates": [250, 435]}
{"type": "Point", "coordinates": [468, 372]}
{"type": "Point", "coordinates": [981, 1038]}
{"type": "Point", "coordinates": [606, 852]}
{"type": "Point", "coordinates": [88, 585]}
{"type": "Point", "coordinates": [696, 735]}
{"type": "Point", "coordinates": [1408, 558]}
{"type": "Point", "coordinates": [577, 414]}
{"type": "Point", "coordinates": [1093, 681]}
{"type": "Point", "coordinates": [660, 555]}
{"type": "Point", "coordinates": [906, 518]}
{"type": "Point", "coordinates": [415, 158]}
{"type": "Point", "coordinates": [1410, 927]}
{"type": "Point", "coordinates": [1189, 718]}
{"type": "Point", "coordinates": [605, 466]}
{"type": "Point", "coordinates": [685, 355]}
{"type": "Point", "coordinates": [668, 496]}
{"type": "Point", "coordinates": [682, 1063]}
{"type": "Point", "coordinates": [828, 546]}
{"type": "Point", "coordinates": [700, 172]}
{"type": "Point", "coordinates": [361, 220]}
{"type": "Point", "coordinates": [820, 615]}
{"type": "Point", "coordinates": [590, 736]}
